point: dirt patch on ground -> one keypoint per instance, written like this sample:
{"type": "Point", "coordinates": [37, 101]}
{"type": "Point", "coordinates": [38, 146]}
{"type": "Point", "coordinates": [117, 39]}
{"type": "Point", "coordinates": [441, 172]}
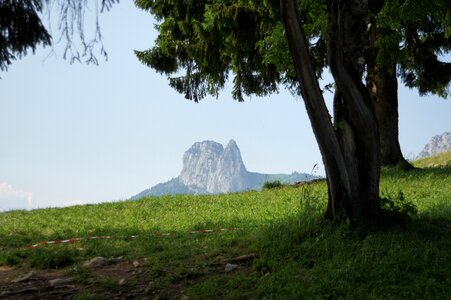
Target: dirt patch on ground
{"type": "Point", "coordinates": [121, 280]}
{"type": "Point", "coordinates": [115, 280]}
{"type": "Point", "coordinates": [17, 284]}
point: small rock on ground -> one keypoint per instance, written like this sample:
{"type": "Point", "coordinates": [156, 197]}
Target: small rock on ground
{"type": "Point", "coordinates": [231, 267]}
{"type": "Point", "coordinates": [59, 281]}
{"type": "Point", "coordinates": [97, 262]}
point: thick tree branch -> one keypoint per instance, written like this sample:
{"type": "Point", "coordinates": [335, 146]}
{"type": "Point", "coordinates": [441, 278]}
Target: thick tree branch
{"type": "Point", "coordinates": [314, 101]}
{"type": "Point", "coordinates": [347, 25]}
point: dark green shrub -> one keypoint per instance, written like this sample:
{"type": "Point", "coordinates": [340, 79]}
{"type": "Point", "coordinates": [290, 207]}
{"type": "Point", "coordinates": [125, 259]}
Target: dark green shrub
{"type": "Point", "coordinates": [398, 204]}
{"type": "Point", "coordinates": [276, 184]}
{"type": "Point", "coordinates": [52, 259]}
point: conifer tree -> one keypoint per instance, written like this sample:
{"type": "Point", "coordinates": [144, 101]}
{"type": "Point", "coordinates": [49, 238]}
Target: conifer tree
{"type": "Point", "coordinates": [405, 38]}
{"type": "Point", "coordinates": [262, 45]}
{"type": "Point", "coordinates": [209, 41]}
{"type": "Point", "coordinates": [22, 29]}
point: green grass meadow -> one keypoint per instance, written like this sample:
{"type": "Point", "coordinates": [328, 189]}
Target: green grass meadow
{"type": "Point", "coordinates": [298, 254]}
{"type": "Point", "coordinates": [442, 159]}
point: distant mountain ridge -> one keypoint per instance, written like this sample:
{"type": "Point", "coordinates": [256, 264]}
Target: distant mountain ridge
{"type": "Point", "coordinates": [437, 144]}
{"type": "Point", "coordinates": [209, 168]}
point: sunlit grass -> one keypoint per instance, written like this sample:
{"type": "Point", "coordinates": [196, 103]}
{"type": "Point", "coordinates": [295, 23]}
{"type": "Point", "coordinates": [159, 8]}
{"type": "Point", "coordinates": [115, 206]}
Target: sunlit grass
{"type": "Point", "coordinates": [299, 255]}
{"type": "Point", "coordinates": [442, 159]}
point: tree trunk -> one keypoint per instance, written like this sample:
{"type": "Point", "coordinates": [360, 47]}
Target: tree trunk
{"type": "Point", "coordinates": [384, 93]}
{"type": "Point", "coordinates": [357, 126]}
{"type": "Point", "coordinates": [383, 87]}
{"type": "Point", "coordinates": [350, 152]}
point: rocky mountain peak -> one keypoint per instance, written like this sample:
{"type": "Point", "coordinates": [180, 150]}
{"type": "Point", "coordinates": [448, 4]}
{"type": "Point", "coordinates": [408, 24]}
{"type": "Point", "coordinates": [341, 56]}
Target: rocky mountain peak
{"type": "Point", "coordinates": [231, 174]}
{"type": "Point", "coordinates": [437, 144]}
{"type": "Point", "coordinates": [232, 144]}
{"type": "Point", "coordinates": [200, 162]}
{"type": "Point", "coordinates": [231, 157]}
{"type": "Point", "coordinates": [209, 168]}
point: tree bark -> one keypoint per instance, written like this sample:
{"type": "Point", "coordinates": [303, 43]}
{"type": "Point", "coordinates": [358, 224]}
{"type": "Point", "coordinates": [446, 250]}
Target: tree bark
{"type": "Point", "coordinates": [337, 177]}
{"type": "Point", "coordinates": [383, 87]}
{"type": "Point", "coordinates": [357, 125]}
{"type": "Point", "coordinates": [351, 151]}
{"type": "Point", "coordinates": [384, 93]}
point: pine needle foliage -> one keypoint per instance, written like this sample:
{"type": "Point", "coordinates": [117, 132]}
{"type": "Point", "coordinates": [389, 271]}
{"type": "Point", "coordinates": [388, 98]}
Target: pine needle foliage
{"type": "Point", "coordinates": [203, 43]}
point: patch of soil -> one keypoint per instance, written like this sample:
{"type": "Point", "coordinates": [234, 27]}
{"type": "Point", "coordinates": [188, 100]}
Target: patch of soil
{"type": "Point", "coordinates": [117, 280]}
{"type": "Point", "coordinates": [16, 284]}
{"type": "Point", "coordinates": [121, 280]}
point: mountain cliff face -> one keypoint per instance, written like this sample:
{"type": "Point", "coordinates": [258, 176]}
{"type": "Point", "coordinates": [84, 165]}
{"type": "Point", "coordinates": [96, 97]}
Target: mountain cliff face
{"type": "Point", "coordinates": [231, 174]}
{"type": "Point", "coordinates": [438, 144]}
{"type": "Point", "coordinates": [200, 164]}
{"type": "Point", "coordinates": [209, 168]}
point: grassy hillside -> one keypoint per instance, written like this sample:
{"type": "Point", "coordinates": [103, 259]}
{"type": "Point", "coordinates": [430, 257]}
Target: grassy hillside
{"type": "Point", "coordinates": [442, 159]}
{"type": "Point", "coordinates": [278, 246]}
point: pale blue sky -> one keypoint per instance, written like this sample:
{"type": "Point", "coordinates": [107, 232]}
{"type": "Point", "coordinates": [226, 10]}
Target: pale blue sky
{"type": "Point", "coordinates": [74, 134]}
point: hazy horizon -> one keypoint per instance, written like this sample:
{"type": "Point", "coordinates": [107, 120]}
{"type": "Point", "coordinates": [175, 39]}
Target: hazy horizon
{"type": "Point", "coordinates": [78, 134]}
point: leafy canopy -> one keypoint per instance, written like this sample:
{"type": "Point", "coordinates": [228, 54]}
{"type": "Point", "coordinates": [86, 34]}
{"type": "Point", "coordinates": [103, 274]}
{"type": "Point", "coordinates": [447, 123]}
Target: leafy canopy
{"type": "Point", "coordinates": [202, 43]}
{"type": "Point", "coordinates": [209, 40]}
{"type": "Point", "coordinates": [20, 30]}
{"type": "Point", "coordinates": [417, 36]}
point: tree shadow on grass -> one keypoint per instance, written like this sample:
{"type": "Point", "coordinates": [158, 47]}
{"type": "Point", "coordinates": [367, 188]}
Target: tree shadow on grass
{"type": "Point", "coordinates": [326, 261]}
